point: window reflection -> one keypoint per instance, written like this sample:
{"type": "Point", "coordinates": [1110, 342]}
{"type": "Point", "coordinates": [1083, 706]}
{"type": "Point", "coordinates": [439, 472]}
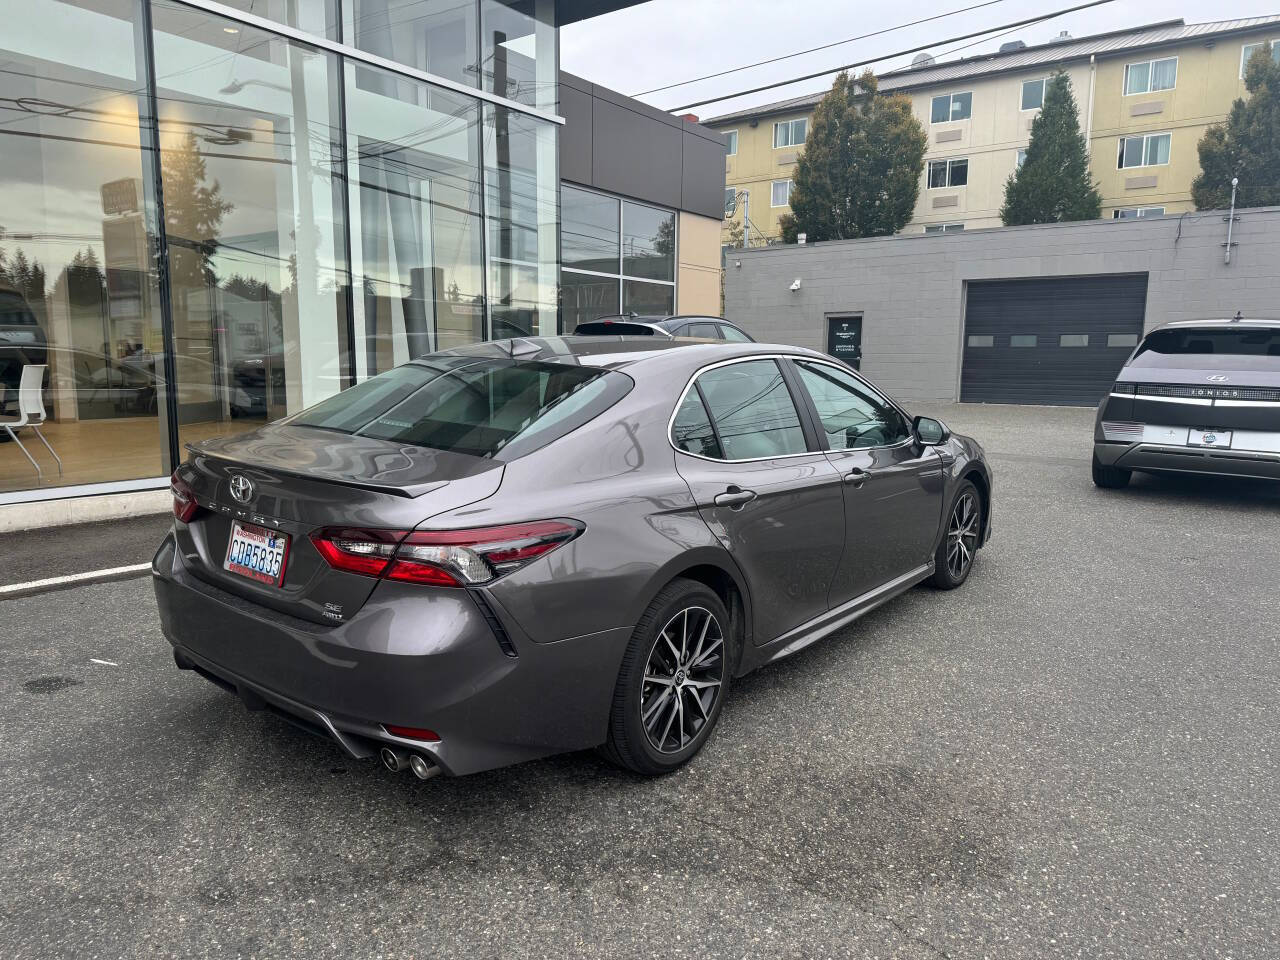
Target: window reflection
{"type": "Point", "coordinates": [253, 217]}
{"type": "Point", "coordinates": [648, 242]}
{"type": "Point", "coordinates": [414, 152]}
{"type": "Point", "coordinates": [520, 205]}
{"type": "Point", "coordinates": [518, 54]}
{"type": "Point", "coordinates": [77, 281]}
{"type": "Point", "coordinates": [437, 36]}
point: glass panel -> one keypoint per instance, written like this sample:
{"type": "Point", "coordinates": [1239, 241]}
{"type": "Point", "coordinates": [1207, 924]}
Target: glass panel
{"type": "Point", "coordinates": [1157, 149]}
{"type": "Point", "coordinates": [781, 134]}
{"type": "Point", "coordinates": [438, 36]}
{"type": "Point", "coordinates": [731, 138]}
{"type": "Point", "coordinates": [1164, 74]}
{"type": "Point", "coordinates": [733, 334]}
{"type": "Point", "coordinates": [937, 173]}
{"type": "Point", "coordinates": [976, 340]}
{"type": "Point", "coordinates": [940, 109]}
{"type": "Point", "coordinates": [851, 415]}
{"type": "Point", "coordinates": [933, 228]}
{"type": "Point", "coordinates": [521, 206]}
{"type": "Point", "coordinates": [730, 201]}
{"type": "Point", "coordinates": [1130, 152]}
{"type": "Point", "coordinates": [691, 430]}
{"type": "Point", "coordinates": [648, 299]}
{"type": "Point", "coordinates": [584, 297]}
{"type": "Point", "coordinates": [1259, 342]}
{"type": "Point", "coordinates": [961, 105]}
{"type": "Point", "coordinates": [253, 213]}
{"type": "Point", "coordinates": [781, 193]}
{"type": "Point", "coordinates": [315, 16]}
{"type": "Point", "coordinates": [415, 201]}
{"type": "Point", "coordinates": [518, 50]}
{"type": "Point", "coordinates": [707, 331]}
{"type": "Point", "coordinates": [1137, 78]}
{"type": "Point", "coordinates": [953, 228]}
{"type": "Point", "coordinates": [1022, 157]}
{"type": "Point", "coordinates": [753, 411]}
{"type": "Point", "coordinates": [1122, 340]}
{"type": "Point", "coordinates": [1247, 51]}
{"type": "Point", "coordinates": [589, 230]}
{"type": "Point", "coordinates": [1022, 340]}
{"type": "Point", "coordinates": [1073, 340]}
{"type": "Point", "coordinates": [78, 295]}
{"type": "Point", "coordinates": [799, 131]}
{"type": "Point", "coordinates": [1032, 94]}
{"type": "Point", "coordinates": [648, 242]}
{"type": "Point", "coordinates": [959, 173]}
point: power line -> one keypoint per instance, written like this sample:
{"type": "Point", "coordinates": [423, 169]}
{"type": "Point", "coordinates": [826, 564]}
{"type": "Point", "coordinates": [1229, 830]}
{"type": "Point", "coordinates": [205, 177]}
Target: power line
{"type": "Point", "coordinates": [888, 56]}
{"type": "Point", "coordinates": [825, 46]}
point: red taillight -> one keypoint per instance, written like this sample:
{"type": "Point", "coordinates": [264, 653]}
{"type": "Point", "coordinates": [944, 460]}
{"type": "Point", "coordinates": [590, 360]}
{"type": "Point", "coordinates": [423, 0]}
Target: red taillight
{"type": "Point", "coordinates": [412, 733]}
{"type": "Point", "coordinates": [366, 552]}
{"type": "Point", "coordinates": [184, 498]}
{"type": "Point", "coordinates": [442, 558]}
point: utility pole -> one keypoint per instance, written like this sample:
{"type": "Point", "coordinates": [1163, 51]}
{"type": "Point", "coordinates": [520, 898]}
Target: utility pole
{"type": "Point", "coordinates": [1231, 220]}
{"type": "Point", "coordinates": [746, 219]}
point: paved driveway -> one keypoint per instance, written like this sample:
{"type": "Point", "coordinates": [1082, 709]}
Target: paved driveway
{"type": "Point", "coordinates": [1076, 755]}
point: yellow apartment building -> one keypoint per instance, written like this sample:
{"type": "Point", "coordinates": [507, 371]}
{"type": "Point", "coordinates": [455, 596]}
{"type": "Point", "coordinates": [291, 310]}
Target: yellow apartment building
{"type": "Point", "coordinates": [1145, 97]}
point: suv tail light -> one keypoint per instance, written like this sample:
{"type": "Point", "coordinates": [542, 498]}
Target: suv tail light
{"type": "Point", "coordinates": [184, 498]}
{"type": "Point", "coordinates": [443, 558]}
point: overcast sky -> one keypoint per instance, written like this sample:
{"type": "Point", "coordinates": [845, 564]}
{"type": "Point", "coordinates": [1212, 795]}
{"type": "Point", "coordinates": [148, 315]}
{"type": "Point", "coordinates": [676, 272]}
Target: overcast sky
{"type": "Point", "coordinates": [664, 41]}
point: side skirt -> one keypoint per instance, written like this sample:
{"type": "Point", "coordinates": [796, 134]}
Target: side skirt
{"type": "Point", "coordinates": [802, 636]}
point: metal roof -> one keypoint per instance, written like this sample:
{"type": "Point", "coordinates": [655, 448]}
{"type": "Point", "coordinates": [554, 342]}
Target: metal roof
{"type": "Point", "coordinates": [1045, 54]}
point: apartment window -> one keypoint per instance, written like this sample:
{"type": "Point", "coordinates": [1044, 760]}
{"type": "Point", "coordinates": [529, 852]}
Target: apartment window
{"type": "Point", "coordinates": [730, 201]}
{"type": "Point", "coordinates": [1022, 157]}
{"type": "Point", "coordinates": [1033, 93]}
{"type": "Point", "coordinates": [948, 173]}
{"type": "Point", "coordinates": [1150, 76]}
{"type": "Point", "coordinates": [951, 106]}
{"type": "Point", "coordinates": [1137, 213]}
{"type": "Point", "coordinates": [790, 133]}
{"type": "Point", "coordinates": [731, 139]}
{"type": "Point", "coordinates": [1149, 150]}
{"type": "Point", "coordinates": [1249, 49]}
{"type": "Point", "coordinates": [944, 228]}
{"type": "Point", "coordinates": [781, 195]}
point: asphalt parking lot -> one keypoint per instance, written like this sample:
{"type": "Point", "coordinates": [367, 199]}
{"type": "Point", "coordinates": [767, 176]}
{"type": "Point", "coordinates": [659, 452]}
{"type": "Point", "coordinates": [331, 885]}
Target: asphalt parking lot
{"type": "Point", "coordinates": [1075, 755]}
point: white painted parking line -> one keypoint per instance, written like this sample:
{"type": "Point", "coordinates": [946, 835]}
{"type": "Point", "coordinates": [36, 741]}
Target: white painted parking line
{"type": "Point", "coordinates": [14, 590]}
{"type": "Point", "coordinates": [105, 663]}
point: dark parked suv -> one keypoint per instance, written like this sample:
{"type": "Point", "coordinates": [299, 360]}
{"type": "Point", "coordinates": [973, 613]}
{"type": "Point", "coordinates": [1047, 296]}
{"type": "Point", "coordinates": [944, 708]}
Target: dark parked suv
{"type": "Point", "coordinates": [1197, 396]}
{"type": "Point", "coordinates": [702, 328]}
{"type": "Point", "coordinates": [522, 547]}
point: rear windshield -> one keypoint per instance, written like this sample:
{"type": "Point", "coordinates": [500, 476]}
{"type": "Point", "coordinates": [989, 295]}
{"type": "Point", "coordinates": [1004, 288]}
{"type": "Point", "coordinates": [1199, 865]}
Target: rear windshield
{"type": "Point", "coordinates": [614, 327]}
{"type": "Point", "coordinates": [1211, 341]}
{"type": "Point", "coordinates": [490, 408]}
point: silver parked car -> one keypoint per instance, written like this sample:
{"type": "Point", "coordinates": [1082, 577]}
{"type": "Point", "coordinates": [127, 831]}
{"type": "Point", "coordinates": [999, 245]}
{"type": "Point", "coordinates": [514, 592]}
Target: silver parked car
{"type": "Point", "coordinates": [519, 548]}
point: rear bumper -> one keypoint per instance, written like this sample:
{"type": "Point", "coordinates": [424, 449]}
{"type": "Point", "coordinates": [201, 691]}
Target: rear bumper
{"type": "Point", "coordinates": [411, 657]}
{"type": "Point", "coordinates": [1173, 458]}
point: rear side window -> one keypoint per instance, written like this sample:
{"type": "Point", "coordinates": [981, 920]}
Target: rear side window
{"type": "Point", "coordinates": [707, 331]}
{"type": "Point", "coordinates": [751, 407]}
{"type": "Point", "coordinates": [492, 408]}
{"type": "Point", "coordinates": [1243, 342]}
{"type": "Point", "coordinates": [691, 431]}
{"type": "Point", "coordinates": [733, 334]}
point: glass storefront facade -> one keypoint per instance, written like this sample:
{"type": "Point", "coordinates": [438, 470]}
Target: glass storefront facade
{"type": "Point", "coordinates": [213, 215]}
{"type": "Point", "coordinates": [617, 256]}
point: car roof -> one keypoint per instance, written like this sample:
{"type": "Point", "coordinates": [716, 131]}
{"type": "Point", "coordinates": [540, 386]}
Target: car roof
{"type": "Point", "coordinates": [1217, 322]}
{"type": "Point", "coordinates": [620, 352]}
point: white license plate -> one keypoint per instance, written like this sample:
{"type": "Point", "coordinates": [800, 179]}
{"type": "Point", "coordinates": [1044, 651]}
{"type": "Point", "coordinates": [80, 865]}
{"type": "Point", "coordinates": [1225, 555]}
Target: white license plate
{"type": "Point", "coordinates": [1209, 438]}
{"type": "Point", "coordinates": [257, 553]}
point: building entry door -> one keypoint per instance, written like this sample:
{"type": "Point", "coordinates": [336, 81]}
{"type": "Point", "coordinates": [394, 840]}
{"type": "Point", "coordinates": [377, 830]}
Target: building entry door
{"type": "Point", "coordinates": [844, 338]}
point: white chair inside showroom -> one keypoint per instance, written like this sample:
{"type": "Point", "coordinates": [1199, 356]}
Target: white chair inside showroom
{"type": "Point", "coordinates": [30, 413]}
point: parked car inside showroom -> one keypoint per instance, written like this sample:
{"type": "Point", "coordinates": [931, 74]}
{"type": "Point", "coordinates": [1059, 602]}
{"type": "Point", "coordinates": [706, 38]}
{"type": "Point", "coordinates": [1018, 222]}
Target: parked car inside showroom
{"type": "Point", "coordinates": [1197, 396]}
{"type": "Point", "coordinates": [525, 547]}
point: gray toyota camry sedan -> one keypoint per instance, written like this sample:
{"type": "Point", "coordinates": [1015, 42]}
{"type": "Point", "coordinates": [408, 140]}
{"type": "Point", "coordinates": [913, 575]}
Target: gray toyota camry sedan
{"type": "Point", "coordinates": [532, 546]}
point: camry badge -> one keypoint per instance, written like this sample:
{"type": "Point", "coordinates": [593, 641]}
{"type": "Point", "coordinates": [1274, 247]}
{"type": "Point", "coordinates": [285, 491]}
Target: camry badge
{"type": "Point", "coordinates": [1217, 378]}
{"type": "Point", "coordinates": [241, 488]}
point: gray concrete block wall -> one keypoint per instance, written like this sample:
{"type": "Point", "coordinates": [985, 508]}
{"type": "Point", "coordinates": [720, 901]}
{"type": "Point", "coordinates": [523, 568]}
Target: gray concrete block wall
{"type": "Point", "coordinates": [910, 289]}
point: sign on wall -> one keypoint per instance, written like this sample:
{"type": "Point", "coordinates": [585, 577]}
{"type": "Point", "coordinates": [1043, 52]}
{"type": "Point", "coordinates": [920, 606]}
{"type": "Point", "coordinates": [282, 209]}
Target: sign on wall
{"type": "Point", "coordinates": [844, 339]}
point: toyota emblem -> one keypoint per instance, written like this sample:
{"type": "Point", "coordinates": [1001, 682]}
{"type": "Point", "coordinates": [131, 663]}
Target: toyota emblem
{"type": "Point", "coordinates": [241, 488]}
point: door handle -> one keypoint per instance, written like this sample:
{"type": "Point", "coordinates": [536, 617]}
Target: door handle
{"type": "Point", "coordinates": [735, 498]}
{"type": "Point", "coordinates": [857, 476]}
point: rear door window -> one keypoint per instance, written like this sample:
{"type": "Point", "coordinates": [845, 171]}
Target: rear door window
{"type": "Point", "coordinates": [752, 410]}
{"type": "Point", "coordinates": [488, 408]}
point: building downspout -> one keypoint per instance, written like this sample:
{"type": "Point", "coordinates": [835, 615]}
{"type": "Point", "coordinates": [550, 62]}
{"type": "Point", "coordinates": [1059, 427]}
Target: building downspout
{"type": "Point", "coordinates": [1088, 121]}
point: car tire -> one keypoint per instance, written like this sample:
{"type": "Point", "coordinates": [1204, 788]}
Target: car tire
{"type": "Point", "coordinates": [653, 731]}
{"type": "Point", "coordinates": [1110, 478]}
{"type": "Point", "coordinates": [958, 548]}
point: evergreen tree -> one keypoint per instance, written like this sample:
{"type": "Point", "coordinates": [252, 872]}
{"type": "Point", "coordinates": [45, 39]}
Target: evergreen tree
{"type": "Point", "coordinates": [1246, 146]}
{"type": "Point", "coordinates": [1054, 184]}
{"type": "Point", "coordinates": [859, 172]}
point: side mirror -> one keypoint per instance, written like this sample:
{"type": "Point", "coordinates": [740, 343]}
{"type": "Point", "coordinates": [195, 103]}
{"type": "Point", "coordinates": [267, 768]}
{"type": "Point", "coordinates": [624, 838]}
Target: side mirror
{"type": "Point", "coordinates": [930, 432]}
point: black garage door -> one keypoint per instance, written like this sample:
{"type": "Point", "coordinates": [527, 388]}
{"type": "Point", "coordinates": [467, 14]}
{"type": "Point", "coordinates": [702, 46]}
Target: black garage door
{"type": "Point", "coordinates": [1059, 340]}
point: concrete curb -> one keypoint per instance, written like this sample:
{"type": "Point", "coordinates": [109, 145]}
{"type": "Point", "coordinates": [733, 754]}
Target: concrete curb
{"type": "Point", "coordinates": [33, 587]}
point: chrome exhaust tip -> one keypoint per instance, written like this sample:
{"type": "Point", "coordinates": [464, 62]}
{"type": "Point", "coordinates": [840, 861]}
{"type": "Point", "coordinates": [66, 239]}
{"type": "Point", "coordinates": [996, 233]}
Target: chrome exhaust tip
{"type": "Point", "coordinates": [423, 768]}
{"type": "Point", "coordinates": [393, 759]}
